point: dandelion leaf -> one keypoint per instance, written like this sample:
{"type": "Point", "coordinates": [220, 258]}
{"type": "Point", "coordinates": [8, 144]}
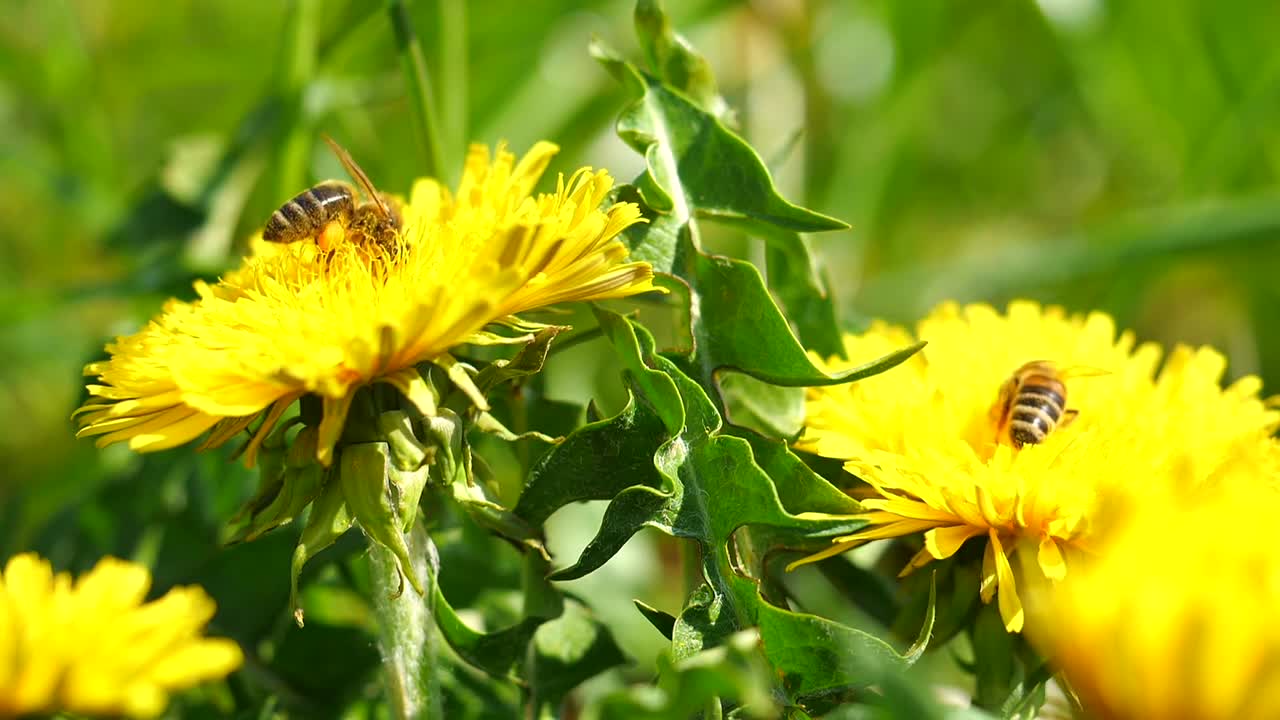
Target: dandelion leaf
{"type": "Point", "coordinates": [695, 481]}
{"type": "Point", "coordinates": [696, 167]}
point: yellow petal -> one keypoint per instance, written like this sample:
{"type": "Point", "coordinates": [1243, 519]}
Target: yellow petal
{"type": "Point", "coordinates": [1010, 605]}
{"type": "Point", "coordinates": [943, 542]}
{"type": "Point", "coordinates": [1052, 564]}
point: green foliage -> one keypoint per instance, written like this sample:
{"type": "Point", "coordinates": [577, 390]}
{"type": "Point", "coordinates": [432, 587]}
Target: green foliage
{"type": "Point", "coordinates": [732, 673]}
{"type": "Point", "coordinates": [1110, 167]}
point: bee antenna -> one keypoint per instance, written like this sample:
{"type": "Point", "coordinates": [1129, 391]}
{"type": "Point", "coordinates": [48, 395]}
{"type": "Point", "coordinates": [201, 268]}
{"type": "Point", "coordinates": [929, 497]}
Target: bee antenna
{"type": "Point", "coordinates": [357, 174]}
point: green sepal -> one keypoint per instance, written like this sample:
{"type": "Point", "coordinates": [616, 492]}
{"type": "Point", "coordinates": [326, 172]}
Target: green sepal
{"type": "Point", "coordinates": [270, 481]}
{"type": "Point", "coordinates": [487, 423]}
{"type": "Point", "coordinates": [407, 451]}
{"type": "Point", "coordinates": [298, 481]}
{"type": "Point", "coordinates": [445, 432]}
{"type": "Point", "coordinates": [528, 361]}
{"type": "Point", "coordinates": [407, 487]}
{"type": "Point", "coordinates": [459, 373]}
{"type": "Point", "coordinates": [271, 466]}
{"type": "Point", "coordinates": [298, 489]}
{"type": "Point", "coordinates": [329, 519]}
{"type": "Point", "coordinates": [364, 472]}
{"type": "Point", "coordinates": [483, 337]}
{"type": "Point", "coordinates": [496, 518]}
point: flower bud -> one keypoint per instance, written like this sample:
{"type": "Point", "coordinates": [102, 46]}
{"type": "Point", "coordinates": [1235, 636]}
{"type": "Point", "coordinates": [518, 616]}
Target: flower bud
{"type": "Point", "coordinates": [364, 474]}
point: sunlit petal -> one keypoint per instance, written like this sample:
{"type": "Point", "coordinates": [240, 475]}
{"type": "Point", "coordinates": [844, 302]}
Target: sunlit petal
{"type": "Point", "coordinates": [925, 435]}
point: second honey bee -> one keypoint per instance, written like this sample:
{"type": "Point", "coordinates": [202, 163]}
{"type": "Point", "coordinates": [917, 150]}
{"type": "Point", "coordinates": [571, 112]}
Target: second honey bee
{"type": "Point", "coordinates": [329, 212]}
{"type": "Point", "coordinates": [1032, 402]}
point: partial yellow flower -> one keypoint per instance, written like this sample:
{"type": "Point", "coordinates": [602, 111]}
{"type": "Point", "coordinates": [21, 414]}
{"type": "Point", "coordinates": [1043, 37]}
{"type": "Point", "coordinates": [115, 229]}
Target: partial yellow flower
{"type": "Point", "coordinates": [923, 436]}
{"type": "Point", "coordinates": [295, 320]}
{"type": "Point", "coordinates": [93, 646]}
{"type": "Point", "coordinates": [1175, 617]}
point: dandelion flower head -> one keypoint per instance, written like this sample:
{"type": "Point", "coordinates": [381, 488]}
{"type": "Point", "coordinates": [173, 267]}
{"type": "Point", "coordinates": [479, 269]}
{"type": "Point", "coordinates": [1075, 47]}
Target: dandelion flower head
{"type": "Point", "coordinates": [925, 435]}
{"type": "Point", "coordinates": [94, 646]}
{"type": "Point", "coordinates": [1175, 615]}
{"type": "Point", "coordinates": [298, 319]}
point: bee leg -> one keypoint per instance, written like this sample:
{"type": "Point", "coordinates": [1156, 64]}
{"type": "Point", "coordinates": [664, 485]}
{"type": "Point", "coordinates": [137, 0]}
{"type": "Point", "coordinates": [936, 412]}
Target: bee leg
{"type": "Point", "coordinates": [331, 236]}
{"type": "Point", "coordinates": [1067, 416]}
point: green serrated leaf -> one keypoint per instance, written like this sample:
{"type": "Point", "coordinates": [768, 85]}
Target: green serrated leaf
{"type": "Point", "coordinates": [674, 60]}
{"type": "Point", "coordinates": [805, 294]}
{"type": "Point", "coordinates": [661, 621]}
{"type": "Point", "coordinates": [773, 410]}
{"type": "Point", "coordinates": [800, 489]}
{"type": "Point", "coordinates": [705, 621]}
{"type": "Point", "coordinates": [738, 327]}
{"type": "Point", "coordinates": [595, 462]}
{"type": "Point", "coordinates": [655, 240]}
{"type": "Point", "coordinates": [497, 652]}
{"type": "Point", "coordinates": [711, 485]}
{"type": "Point", "coordinates": [649, 483]}
{"type": "Point", "coordinates": [819, 656]}
{"type": "Point", "coordinates": [698, 168]}
{"type": "Point", "coordinates": [695, 166]}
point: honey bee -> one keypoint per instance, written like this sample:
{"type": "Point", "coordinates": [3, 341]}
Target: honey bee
{"type": "Point", "coordinates": [329, 212]}
{"type": "Point", "coordinates": [1032, 402]}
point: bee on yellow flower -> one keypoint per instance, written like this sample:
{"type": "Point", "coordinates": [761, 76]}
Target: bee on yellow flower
{"type": "Point", "coordinates": [338, 297]}
{"type": "Point", "coordinates": [295, 320]}
{"type": "Point", "coordinates": [923, 436]}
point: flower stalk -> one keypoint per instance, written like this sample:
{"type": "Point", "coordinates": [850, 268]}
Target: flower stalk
{"type": "Point", "coordinates": [415, 69]}
{"type": "Point", "coordinates": [407, 626]}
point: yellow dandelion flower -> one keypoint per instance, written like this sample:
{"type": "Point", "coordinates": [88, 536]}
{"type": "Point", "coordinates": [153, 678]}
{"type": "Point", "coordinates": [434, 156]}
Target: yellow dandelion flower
{"type": "Point", "coordinates": [1175, 616]}
{"type": "Point", "coordinates": [925, 435]}
{"type": "Point", "coordinates": [296, 320]}
{"type": "Point", "coordinates": [93, 646]}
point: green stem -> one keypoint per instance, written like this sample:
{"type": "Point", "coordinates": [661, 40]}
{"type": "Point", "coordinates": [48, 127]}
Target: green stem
{"type": "Point", "coordinates": [407, 628]}
{"type": "Point", "coordinates": [300, 64]}
{"type": "Point", "coordinates": [415, 70]}
{"type": "Point", "coordinates": [452, 62]}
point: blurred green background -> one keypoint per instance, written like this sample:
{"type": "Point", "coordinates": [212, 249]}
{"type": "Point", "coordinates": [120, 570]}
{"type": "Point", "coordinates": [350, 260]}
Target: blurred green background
{"type": "Point", "coordinates": [1111, 155]}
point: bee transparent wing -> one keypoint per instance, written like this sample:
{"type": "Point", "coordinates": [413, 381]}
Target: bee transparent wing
{"type": "Point", "coordinates": [357, 174]}
{"type": "Point", "coordinates": [1083, 371]}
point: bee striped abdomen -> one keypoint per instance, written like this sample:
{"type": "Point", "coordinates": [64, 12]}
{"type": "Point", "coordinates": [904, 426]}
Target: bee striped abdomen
{"type": "Point", "coordinates": [309, 212]}
{"type": "Point", "coordinates": [1037, 408]}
